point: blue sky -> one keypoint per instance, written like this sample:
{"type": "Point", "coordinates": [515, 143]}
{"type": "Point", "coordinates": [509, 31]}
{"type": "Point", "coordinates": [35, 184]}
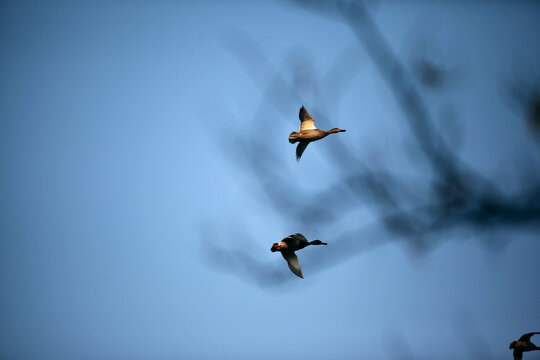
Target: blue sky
{"type": "Point", "coordinates": [138, 137]}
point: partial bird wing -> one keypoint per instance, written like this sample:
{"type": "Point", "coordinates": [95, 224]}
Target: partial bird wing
{"type": "Point", "coordinates": [296, 236]}
{"type": "Point", "coordinates": [518, 354]}
{"type": "Point", "coordinates": [527, 337]}
{"type": "Point", "coordinates": [293, 263]}
{"type": "Point", "coordinates": [302, 145]}
{"type": "Point", "coordinates": [306, 119]}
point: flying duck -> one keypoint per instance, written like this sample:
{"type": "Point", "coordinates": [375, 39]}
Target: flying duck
{"type": "Point", "coordinates": [289, 245]}
{"type": "Point", "coordinates": [308, 132]}
{"type": "Point", "coordinates": [523, 344]}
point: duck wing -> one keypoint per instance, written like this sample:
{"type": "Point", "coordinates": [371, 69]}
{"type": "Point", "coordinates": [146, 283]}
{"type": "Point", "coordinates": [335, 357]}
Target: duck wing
{"type": "Point", "coordinates": [293, 263]}
{"type": "Point", "coordinates": [527, 337]}
{"type": "Point", "coordinates": [295, 241]}
{"type": "Point", "coordinates": [302, 145]}
{"type": "Point", "coordinates": [296, 236]}
{"type": "Point", "coordinates": [306, 121]}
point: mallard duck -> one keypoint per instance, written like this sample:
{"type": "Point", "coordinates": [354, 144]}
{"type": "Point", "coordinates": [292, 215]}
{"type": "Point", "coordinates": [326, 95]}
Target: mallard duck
{"type": "Point", "coordinates": [289, 245]}
{"type": "Point", "coordinates": [308, 132]}
{"type": "Point", "coordinates": [523, 344]}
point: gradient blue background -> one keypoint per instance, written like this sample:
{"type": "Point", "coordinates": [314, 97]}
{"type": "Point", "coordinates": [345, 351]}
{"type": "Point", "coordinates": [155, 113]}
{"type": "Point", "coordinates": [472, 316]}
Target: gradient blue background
{"type": "Point", "coordinates": [112, 161]}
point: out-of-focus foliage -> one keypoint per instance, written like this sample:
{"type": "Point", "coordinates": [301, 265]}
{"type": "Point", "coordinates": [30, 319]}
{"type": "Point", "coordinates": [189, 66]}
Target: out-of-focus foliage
{"type": "Point", "coordinates": [451, 195]}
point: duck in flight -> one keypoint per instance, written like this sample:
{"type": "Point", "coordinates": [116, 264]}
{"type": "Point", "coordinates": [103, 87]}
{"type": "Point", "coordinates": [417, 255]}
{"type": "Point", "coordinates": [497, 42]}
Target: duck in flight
{"type": "Point", "coordinates": [289, 245]}
{"type": "Point", "coordinates": [523, 344]}
{"type": "Point", "coordinates": [308, 132]}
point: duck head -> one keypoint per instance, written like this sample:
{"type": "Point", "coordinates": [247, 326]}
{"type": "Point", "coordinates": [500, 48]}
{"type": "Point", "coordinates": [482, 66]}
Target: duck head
{"type": "Point", "coordinates": [336, 130]}
{"type": "Point", "coordinates": [513, 344]}
{"type": "Point", "coordinates": [275, 247]}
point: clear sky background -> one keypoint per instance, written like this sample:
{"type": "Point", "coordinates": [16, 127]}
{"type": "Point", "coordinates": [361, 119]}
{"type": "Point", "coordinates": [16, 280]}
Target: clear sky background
{"type": "Point", "coordinates": [139, 143]}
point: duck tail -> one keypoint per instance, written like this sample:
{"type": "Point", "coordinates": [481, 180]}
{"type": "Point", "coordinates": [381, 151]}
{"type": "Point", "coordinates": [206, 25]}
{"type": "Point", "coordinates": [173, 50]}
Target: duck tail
{"type": "Point", "coordinates": [293, 138]}
{"type": "Point", "coordinates": [317, 242]}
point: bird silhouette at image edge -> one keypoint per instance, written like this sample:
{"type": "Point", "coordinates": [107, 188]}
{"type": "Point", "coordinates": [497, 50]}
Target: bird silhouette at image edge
{"type": "Point", "coordinates": [289, 245]}
{"type": "Point", "coordinates": [308, 132]}
{"type": "Point", "coordinates": [523, 344]}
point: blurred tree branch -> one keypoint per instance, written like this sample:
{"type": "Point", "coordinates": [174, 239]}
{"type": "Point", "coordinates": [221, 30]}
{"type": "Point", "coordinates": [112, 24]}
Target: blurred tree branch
{"type": "Point", "coordinates": [457, 195]}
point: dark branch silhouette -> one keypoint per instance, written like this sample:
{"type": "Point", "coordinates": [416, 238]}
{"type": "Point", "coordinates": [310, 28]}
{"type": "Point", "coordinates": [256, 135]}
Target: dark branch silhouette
{"type": "Point", "coordinates": [446, 195]}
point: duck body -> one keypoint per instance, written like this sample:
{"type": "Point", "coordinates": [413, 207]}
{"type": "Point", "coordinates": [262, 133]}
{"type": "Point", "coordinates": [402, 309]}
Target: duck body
{"type": "Point", "coordinates": [289, 245]}
{"type": "Point", "coordinates": [308, 135]}
{"type": "Point", "coordinates": [524, 344]}
{"type": "Point", "coordinates": [308, 132]}
{"type": "Point", "coordinates": [293, 242]}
